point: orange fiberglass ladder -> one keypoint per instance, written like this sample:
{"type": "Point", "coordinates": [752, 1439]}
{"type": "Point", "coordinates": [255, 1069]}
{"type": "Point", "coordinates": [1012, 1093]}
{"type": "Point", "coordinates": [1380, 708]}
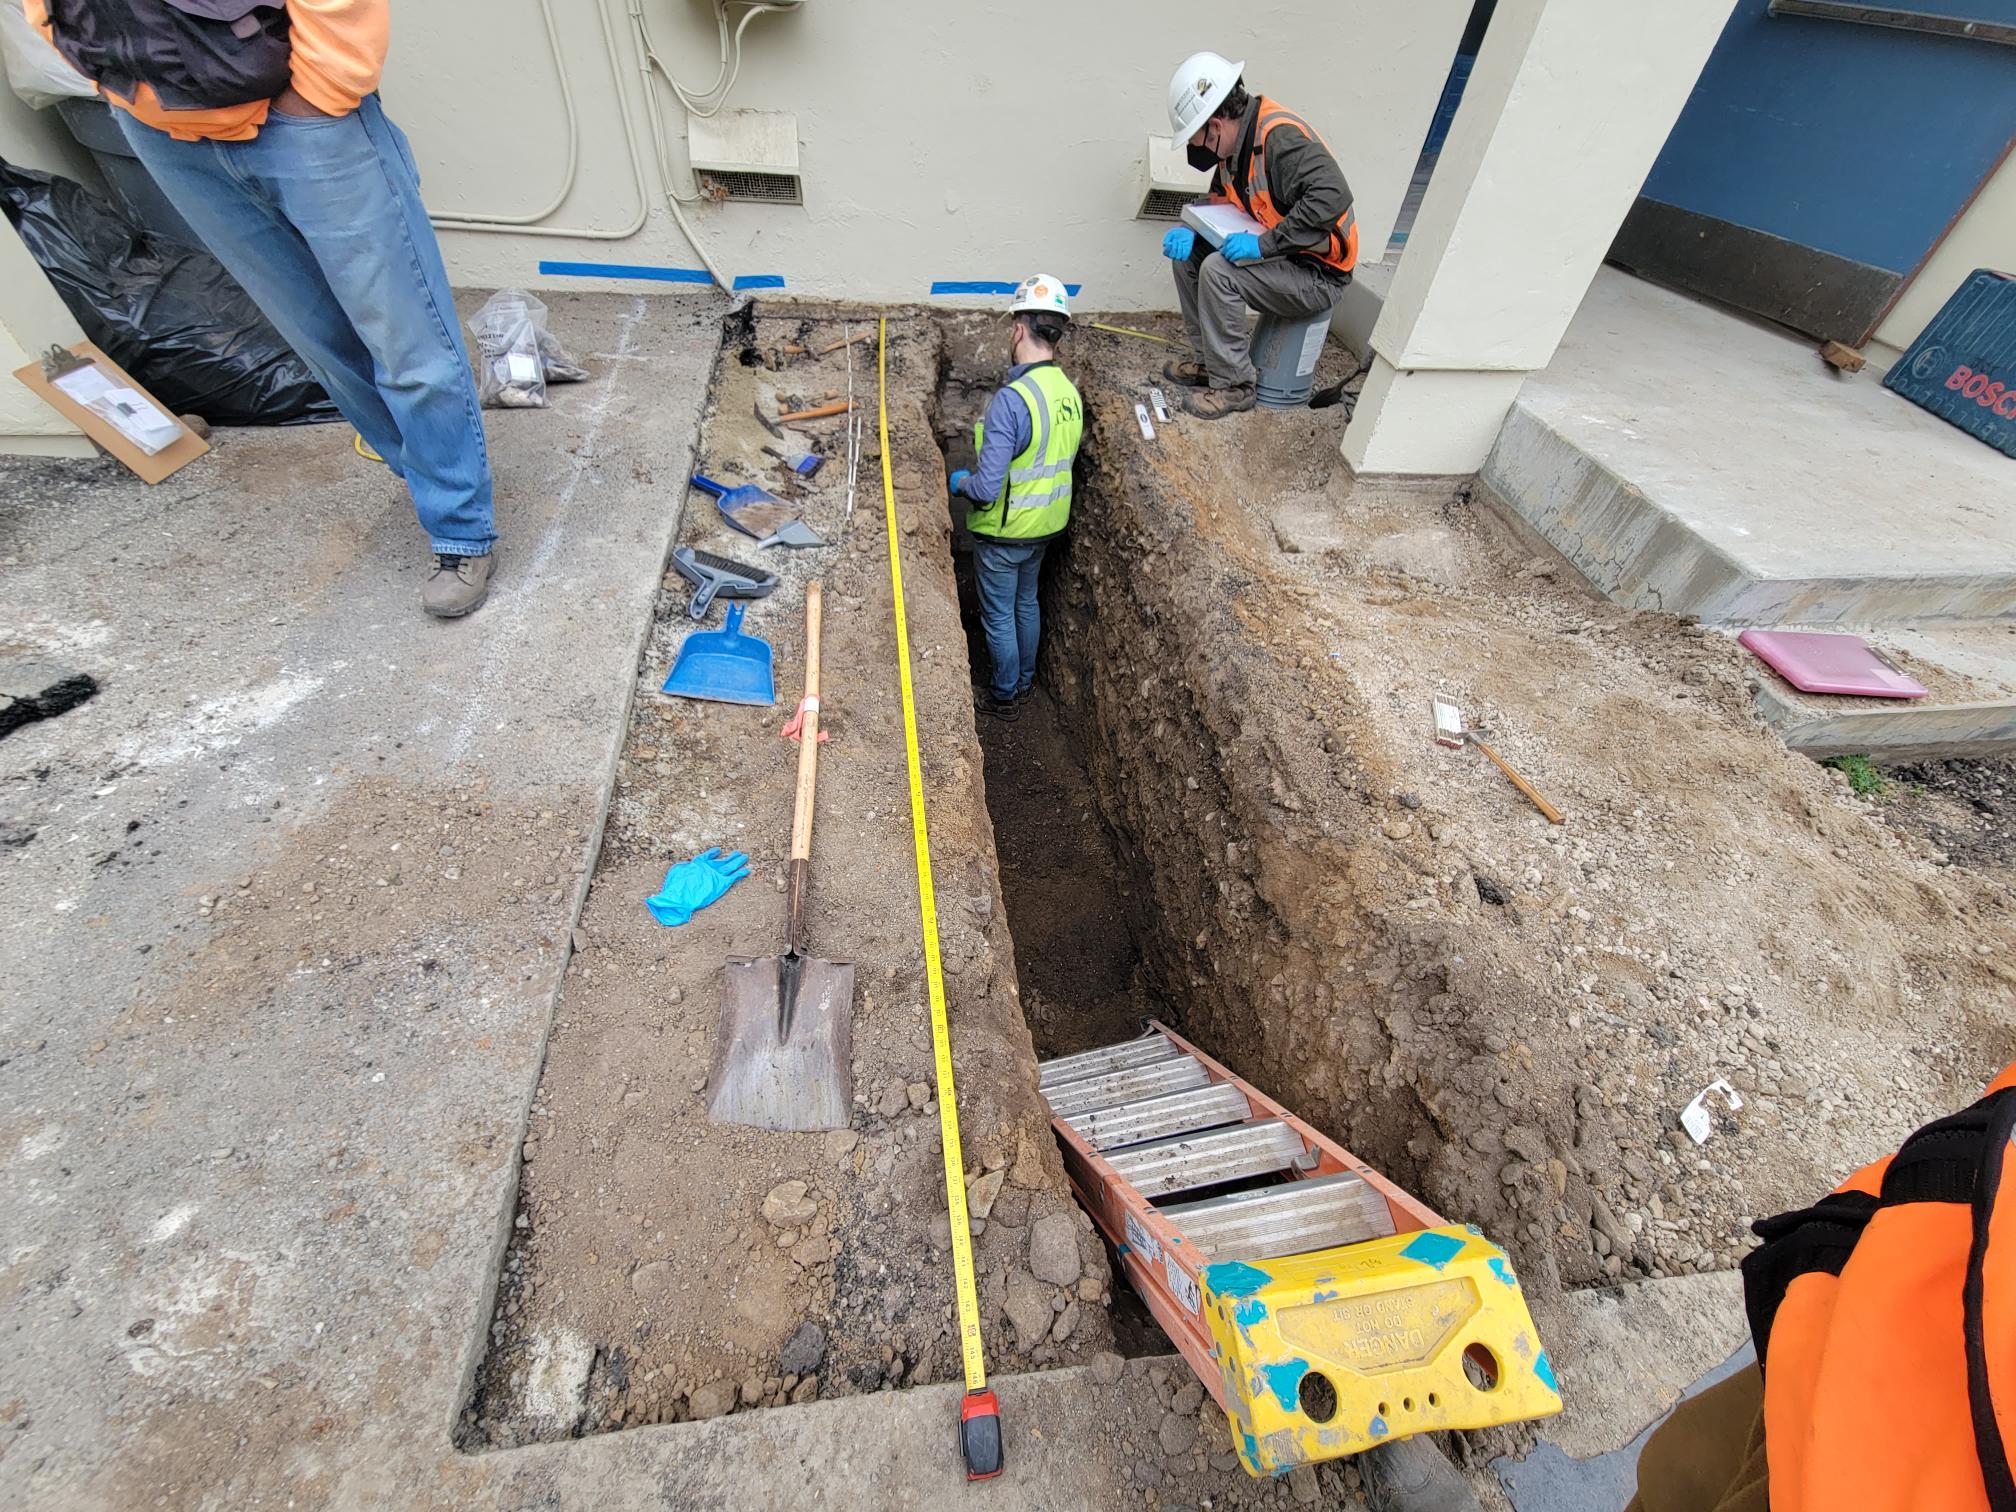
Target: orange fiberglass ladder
{"type": "Point", "coordinates": [1322, 1307]}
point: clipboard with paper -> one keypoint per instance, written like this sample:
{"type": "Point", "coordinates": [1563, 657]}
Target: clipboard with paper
{"type": "Point", "coordinates": [101, 399]}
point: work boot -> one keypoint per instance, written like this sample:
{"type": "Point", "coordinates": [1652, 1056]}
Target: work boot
{"type": "Point", "coordinates": [457, 585]}
{"type": "Point", "coordinates": [1188, 374]}
{"type": "Point", "coordinates": [1413, 1476]}
{"type": "Point", "coordinates": [1007, 710]}
{"type": "Point", "coordinates": [1217, 403]}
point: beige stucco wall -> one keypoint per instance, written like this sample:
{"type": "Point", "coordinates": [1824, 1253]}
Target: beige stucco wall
{"type": "Point", "coordinates": [937, 142]}
{"type": "Point", "coordinates": [1984, 238]}
{"type": "Point", "coordinates": [31, 316]}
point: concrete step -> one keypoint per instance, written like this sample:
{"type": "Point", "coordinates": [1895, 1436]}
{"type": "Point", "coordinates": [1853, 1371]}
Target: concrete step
{"type": "Point", "coordinates": [1969, 672]}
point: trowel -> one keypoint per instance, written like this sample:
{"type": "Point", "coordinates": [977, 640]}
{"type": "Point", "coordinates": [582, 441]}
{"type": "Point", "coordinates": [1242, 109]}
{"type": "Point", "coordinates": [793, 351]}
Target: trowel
{"type": "Point", "coordinates": [758, 513]}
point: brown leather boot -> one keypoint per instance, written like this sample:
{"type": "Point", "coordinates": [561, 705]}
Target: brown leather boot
{"type": "Point", "coordinates": [1217, 403]}
{"type": "Point", "coordinates": [457, 585]}
{"type": "Point", "coordinates": [1188, 374]}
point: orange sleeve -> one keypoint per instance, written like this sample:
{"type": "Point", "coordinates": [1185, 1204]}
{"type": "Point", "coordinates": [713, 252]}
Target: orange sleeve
{"type": "Point", "coordinates": [339, 49]}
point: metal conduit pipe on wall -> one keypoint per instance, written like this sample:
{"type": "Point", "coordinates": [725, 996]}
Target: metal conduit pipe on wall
{"type": "Point", "coordinates": [524, 225]}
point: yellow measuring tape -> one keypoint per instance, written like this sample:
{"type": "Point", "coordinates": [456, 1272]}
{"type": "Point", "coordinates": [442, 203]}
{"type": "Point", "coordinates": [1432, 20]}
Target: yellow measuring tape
{"type": "Point", "coordinates": [980, 1424]}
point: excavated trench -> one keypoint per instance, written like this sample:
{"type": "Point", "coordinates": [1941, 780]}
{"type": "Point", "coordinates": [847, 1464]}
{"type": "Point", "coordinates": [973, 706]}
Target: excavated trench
{"type": "Point", "coordinates": [1177, 831]}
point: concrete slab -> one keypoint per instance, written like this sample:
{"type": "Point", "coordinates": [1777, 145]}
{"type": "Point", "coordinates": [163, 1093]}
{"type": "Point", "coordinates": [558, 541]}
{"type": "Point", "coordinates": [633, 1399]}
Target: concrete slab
{"type": "Point", "coordinates": [1687, 460]}
{"type": "Point", "coordinates": [1969, 672]}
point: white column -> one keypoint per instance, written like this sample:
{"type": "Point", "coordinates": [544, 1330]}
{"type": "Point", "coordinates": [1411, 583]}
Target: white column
{"type": "Point", "coordinates": [1567, 108]}
{"type": "Point", "coordinates": [32, 319]}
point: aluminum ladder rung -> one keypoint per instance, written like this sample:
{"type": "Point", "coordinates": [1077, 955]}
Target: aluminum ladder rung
{"type": "Point", "coordinates": [1181, 1074]}
{"type": "Point", "coordinates": [1145, 1051]}
{"type": "Point", "coordinates": [1159, 1117]}
{"type": "Point", "coordinates": [1188, 1161]}
{"type": "Point", "coordinates": [1291, 1219]}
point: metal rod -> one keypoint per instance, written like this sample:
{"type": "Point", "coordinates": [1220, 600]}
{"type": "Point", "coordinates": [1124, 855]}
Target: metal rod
{"type": "Point", "coordinates": [2000, 33]}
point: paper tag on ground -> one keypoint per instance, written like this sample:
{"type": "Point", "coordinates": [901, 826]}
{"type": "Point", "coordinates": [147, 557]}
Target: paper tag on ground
{"type": "Point", "coordinates": [523, 366]}
{"type": "Point", "coordinates": [1694, 1117]}
{"type": "Point", "coordinates": [1147, 425]}
{"type": "Point", "coordinates": [1161, 405]}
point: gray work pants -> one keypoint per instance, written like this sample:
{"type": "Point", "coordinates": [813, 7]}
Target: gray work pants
{"type": "Point", "coordinates": [1216, 294]}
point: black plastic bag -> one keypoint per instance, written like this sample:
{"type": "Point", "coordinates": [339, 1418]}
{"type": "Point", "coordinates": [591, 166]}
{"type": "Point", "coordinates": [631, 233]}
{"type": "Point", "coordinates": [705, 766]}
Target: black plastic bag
{"type": "Point", "coordinates": [166, 312]}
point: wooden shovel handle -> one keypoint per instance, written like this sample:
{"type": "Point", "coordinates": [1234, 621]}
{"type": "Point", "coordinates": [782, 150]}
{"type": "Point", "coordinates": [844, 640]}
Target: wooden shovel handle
{"type": "Point", "coordinates": [1553, 814]}
{"type": "Point", "coordinates": [808, 737]}
{"type": "Point", "coordinates": [817, 412]}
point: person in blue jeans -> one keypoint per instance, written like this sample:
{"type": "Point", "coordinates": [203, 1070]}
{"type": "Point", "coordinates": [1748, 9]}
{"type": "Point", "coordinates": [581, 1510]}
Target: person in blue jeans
{"type": "Point", "coordinates": [1018, 491]}
{"type": "Point", "coordinates": [265, 132]}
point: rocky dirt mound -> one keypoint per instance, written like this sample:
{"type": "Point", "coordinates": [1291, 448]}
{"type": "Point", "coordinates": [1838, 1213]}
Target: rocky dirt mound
{"type": "Point", "coordinates": [1506, 1015]}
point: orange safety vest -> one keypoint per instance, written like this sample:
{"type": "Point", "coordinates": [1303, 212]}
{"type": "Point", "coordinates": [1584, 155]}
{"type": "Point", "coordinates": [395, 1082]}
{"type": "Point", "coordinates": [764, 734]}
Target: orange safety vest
{"type": "Point", "coordinates": [1885, 1324]}
{"type": "Point", "coordinates": [1342, 251]}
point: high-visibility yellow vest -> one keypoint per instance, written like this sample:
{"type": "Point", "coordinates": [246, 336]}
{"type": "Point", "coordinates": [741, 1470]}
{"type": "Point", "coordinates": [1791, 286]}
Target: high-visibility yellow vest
{"type": "Point", "coordinates": [1036, 500]}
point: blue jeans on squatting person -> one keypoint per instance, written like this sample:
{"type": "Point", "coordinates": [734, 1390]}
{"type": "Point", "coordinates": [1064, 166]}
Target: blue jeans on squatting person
{"type": "Point", "coordinates": [1005, 574]}
{"type": "Point", "coordinates": [319, 217]}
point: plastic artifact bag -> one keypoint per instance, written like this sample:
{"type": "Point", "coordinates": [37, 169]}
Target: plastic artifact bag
{"type": "Point", "coordinates": [166, 312]}
{"type": "Point", "coordinates": [516, 355]}
{"type": "Point", "coordinates": [38, 73]}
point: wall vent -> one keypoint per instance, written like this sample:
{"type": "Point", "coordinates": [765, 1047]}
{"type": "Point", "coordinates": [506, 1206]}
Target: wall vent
{"type": "Point", "coordinates": [1168, 182]}
{"type": "Point", "coordinates": [748, 156]}
{"type": "Point", "coordinates": [752, 188]}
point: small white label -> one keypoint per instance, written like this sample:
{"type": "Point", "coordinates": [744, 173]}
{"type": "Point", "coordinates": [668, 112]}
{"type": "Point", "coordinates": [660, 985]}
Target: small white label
{"type": "Point", "coordinates": [524, 367]}
{"type": "Point", "coordinates": [1161, 405]}
{"type": "Point", "coordinates": [1312, 348]}
{"type": "Point", "coordinates": [1147, 425]}
{"type": "Point", "coordinates": [1141, 1241]}
{"type": "Point", "coordinates": [1182, 1284]}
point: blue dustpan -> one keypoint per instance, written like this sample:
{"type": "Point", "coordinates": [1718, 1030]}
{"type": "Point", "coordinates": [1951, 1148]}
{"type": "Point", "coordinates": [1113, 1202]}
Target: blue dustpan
{"type": "Point", "coordinates": [724, 665]}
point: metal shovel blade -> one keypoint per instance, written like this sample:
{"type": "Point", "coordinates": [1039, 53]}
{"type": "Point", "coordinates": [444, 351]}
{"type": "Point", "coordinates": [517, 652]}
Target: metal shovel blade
{"type": "Point", "coordinates": [784, 1046]}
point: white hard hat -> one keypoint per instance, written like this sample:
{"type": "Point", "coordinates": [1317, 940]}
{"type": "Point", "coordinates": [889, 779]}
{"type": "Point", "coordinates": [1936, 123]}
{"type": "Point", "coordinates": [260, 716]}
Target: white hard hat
{"type": "Point", "coordinates": [1042, 292]}
{"type": "Point", "coordinates": [1198, 88]}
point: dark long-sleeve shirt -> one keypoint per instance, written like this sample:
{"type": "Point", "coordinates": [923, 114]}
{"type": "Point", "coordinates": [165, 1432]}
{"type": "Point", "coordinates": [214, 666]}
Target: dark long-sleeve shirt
{"type": "Point", "coordinates": [1010, 427]}
{"type": "Point", "coordinates": [1303, 179]}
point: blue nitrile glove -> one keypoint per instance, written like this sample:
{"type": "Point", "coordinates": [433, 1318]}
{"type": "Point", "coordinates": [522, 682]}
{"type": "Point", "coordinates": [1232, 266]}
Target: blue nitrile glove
{"type": "Point", "coordinates": [692, 885]}
{"type": "Point", "coordinates": [1241, 247]}
{"type": "Point", "coordinates": [959, 476]}
{"type": "Point", "coordinates": [1179, 244]}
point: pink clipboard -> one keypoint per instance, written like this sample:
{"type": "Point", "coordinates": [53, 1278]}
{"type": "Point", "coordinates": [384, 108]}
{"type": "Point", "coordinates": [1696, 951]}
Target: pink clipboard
{"type": "Point", "coordinates": [1817, 663]}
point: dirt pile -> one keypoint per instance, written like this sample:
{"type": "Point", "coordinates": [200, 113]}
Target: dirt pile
{"type": "Point", "coordinates": [1505, 1015]}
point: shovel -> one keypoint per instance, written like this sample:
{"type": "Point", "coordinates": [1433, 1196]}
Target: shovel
{"type": "Point", "coordinates": [759, 513]}
{"type": "Point", "coordinates": [783, 1050]}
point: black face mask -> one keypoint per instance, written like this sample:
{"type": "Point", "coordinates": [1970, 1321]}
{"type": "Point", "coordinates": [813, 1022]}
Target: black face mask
{"type": "Point", "coordinates": [1203, 159]}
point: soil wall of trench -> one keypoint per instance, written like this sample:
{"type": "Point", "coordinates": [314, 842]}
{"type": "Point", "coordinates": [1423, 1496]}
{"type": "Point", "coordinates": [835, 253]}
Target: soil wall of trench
{"type": "Point", "coordinates": [1269, 913]}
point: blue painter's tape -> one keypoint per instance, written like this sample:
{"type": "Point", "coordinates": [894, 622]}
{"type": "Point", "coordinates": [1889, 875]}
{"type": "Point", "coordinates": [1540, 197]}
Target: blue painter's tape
{"type": "Point", "coordinates": [1433, 1250]}
{"type": "Point", "coordinates": [1252, 1448]}
{"type": "Point", "coordinates": [1324, 1296]}
{"type": "Point", "coordinates": [1544, 1368]}
{"type": "Point", "coordinates": [652, 273]}
{"type": "Point", "coordinates": [1376, 1428]}
{"type": "Point", "coordinates": [1249, 1311]}
{"type": "Point", "coordinates": [1502, 1269]}
{"type": "Point", "coordinates": [1234, 1278]}
{"type": "Point", "coordinates": [1285, 1381]}
{"type": "Point", "coordinates": [987, 286]}
{"type": "Point", "coordinates": [626, 270]}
